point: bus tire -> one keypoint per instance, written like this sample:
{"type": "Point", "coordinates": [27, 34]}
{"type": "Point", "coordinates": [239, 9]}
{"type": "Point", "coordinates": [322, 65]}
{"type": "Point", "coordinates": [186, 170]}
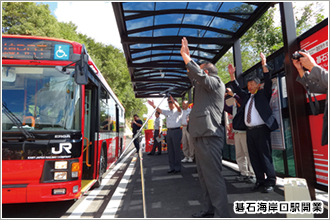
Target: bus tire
{"type": "Point", "coordinates": [102, 168]}
{"type": "Point", "coordinates": [120, 147]}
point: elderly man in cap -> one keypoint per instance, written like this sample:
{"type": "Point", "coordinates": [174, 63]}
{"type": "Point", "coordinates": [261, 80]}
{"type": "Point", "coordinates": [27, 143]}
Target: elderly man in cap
{"type": "Point", "coordinates": [174, 134]}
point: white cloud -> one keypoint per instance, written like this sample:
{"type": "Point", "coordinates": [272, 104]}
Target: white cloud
{"type": "Point", "coordinates": [95, 19]}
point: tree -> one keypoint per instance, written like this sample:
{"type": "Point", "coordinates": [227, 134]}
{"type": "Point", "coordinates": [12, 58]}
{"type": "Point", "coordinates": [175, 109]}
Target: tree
{"type": "Point", "coordinates": [308, 18]}
{"type": "Point", "coordinates": [27, 18]}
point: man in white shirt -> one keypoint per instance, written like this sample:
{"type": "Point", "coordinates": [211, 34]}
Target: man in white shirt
{"type": "Point", "coordinates": [187, 148]}
{"type": "Point", "coordinates": [174, 134]}
{"type": "Point", "coordinates": [158, 124]}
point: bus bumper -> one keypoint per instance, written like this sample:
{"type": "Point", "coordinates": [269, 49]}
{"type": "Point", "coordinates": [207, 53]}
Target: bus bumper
{"type": "Point", "coordinates": [28, 193]}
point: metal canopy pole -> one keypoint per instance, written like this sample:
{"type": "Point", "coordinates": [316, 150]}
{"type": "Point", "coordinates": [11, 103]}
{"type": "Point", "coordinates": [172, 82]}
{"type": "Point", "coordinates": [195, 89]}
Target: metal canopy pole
{"type": "Point", "coordinates": [301, 138]}
{"type": "Point", "coordinates": [238, 61]}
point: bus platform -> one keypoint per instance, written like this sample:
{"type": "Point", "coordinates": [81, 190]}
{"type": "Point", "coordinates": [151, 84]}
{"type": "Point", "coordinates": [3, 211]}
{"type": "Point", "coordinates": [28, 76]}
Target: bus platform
{"type": "Point", "coordinates": [179, 195]}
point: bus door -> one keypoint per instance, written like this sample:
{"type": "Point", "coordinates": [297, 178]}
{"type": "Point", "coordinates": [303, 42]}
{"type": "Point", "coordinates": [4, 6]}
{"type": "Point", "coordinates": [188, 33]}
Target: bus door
{"type": "Point", "coordinates": [89, 138]}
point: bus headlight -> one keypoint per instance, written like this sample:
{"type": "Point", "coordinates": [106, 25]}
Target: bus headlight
{"type": "Point", "coordinates": [75, 169]}
{"type": "Point", "coordinates": [60, 175]}
{"type": "Point", "coordinates": [61, 165]}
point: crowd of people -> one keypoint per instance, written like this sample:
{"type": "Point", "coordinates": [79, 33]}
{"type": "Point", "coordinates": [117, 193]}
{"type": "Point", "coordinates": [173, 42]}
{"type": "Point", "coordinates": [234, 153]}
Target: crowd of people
{"type": "Point", "coordinates": [201, 130]}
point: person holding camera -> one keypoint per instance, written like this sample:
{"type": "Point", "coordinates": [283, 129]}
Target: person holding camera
{"type": "Point", "coordinates": [136, 125]}
{"type": "Point", "coordinates": [315, 78]}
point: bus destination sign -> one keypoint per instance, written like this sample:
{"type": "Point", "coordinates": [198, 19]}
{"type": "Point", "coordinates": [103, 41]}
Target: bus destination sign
{"type": "Point", "coordinates": [34, 49]}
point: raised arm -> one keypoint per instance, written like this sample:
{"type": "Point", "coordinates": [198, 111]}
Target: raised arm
{"type": "Point", "coordinates": [185, 53]}
{"type": "Point", "coordinates": [267, 77]}
{"type": "Point", "coordinates": [237, 89]}
{"type": "Point", "coordinates": [176, 104]}
{"type": "Point", "coordinates": [153, 105]}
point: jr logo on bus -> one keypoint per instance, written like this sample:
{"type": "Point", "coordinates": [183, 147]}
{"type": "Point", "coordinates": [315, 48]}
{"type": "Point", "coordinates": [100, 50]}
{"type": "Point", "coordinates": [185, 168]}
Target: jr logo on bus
{"type": "Point", "coordinates": [62, 146]}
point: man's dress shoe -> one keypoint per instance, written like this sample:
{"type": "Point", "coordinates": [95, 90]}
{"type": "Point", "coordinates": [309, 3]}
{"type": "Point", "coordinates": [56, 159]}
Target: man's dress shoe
{"type": "Point", "coordinates": [257, 186]}
{"type": "Point", "coordinates": [170, 171]}
{"type": "Point", "coordinates": [267, 189]}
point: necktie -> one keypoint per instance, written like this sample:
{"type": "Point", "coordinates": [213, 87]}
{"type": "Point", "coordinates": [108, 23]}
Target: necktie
{"type": "Point", "coordinates": [248, 119]}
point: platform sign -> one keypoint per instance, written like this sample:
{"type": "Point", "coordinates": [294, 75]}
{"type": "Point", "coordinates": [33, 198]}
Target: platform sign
{"type": "Point", "coordinates": [277, 136]}
{"type": "Point", "coordinates": [317, 45]}
{"type": "Point", "coordinates": [149, 136]}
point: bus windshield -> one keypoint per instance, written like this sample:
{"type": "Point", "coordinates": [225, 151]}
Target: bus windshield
{"type": "Point", "coordinates": [41, 98]}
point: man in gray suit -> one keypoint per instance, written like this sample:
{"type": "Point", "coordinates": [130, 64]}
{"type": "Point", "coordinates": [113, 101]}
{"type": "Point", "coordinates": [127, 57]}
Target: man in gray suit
{"type": "Point", "coordinates": [317, 81]}
{"type": "Point", "coordinates": [207, 133]}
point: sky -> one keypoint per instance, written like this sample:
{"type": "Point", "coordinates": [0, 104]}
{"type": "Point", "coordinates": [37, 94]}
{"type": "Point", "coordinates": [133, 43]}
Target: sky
{"type": "Point", "coordinates": [93, 18]}
{"type": "Point", "coordinates": [96, 20]}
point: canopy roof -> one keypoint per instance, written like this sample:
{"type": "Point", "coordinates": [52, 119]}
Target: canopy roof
{"type": "Point", "coordinates": [151, 34]}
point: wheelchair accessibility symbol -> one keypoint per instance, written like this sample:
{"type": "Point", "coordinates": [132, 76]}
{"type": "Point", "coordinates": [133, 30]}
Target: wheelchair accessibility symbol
{"type": "Point", "coordinates": [61, 52]}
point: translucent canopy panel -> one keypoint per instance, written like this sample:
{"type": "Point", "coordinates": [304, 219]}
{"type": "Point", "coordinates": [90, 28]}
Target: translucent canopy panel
{"type": "Point", "coordinates": [151, 34]}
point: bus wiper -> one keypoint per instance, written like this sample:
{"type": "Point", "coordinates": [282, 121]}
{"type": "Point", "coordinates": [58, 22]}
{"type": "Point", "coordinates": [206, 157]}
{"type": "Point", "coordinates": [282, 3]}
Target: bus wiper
{"type": "Point", "coordinates": [16, 121]}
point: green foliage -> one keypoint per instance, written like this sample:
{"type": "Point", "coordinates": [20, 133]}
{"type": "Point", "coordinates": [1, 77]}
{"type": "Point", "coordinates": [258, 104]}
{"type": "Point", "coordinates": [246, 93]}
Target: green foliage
{"type": "Point", "coordinates": [264, 36]}
{"type": "Point", "coordinates": [222, 66]}
{"type": "Point", "coordinates": [29, 18]}
{"type": "Point", "coordinates": [308, 19]}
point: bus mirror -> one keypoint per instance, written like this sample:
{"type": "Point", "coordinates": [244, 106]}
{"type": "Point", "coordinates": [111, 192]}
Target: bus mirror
{"type": "Point", "coordinates": [81, 68]}
{"type": "Point", "coordinates": [81, 74]}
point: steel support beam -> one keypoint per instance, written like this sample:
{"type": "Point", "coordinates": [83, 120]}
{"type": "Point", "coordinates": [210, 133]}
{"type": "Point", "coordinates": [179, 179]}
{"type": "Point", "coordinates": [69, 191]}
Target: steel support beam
{"type": "Point", "coordinates": [189, 96]}
{"type": "Point", "coordinates": [301, 138]}
{"type": "Point", "coordinates": [175, 40]}
{"type": "Point", "coordinates": [150, 80]}
{"type": "Point", "coordinates": [238, 61]}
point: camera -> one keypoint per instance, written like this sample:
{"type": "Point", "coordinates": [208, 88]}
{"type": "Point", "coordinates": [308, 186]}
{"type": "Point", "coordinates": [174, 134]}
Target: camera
{"type": "Point", "coordinates": [297, 55]}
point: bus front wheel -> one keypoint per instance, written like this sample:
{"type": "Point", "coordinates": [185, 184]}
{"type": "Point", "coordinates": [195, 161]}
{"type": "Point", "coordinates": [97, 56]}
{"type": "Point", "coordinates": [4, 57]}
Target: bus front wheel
{"type": "Point", "coordinates": [103, 168]}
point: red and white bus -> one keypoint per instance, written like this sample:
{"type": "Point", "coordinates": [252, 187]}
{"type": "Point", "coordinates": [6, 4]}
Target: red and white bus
{"type": "Point", "coordinates": [62, 125]}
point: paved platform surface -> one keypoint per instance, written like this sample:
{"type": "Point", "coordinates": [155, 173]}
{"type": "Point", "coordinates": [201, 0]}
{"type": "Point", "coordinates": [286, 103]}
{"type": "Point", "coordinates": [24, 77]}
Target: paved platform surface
{"type": "Point", "coordinates": [179, 195]}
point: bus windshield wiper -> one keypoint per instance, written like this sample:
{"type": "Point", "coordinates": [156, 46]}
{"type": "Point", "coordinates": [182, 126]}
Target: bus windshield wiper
{"type": "Point", "coordinates": [16, 121]}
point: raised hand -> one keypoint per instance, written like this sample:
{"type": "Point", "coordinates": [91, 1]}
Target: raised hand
{"type": "Point", "coordinates": [185, 53]}
{"type": "Point", "coordinates": [231, 70]}
{"type": "Point", "coordinates": [151, 103]}
{"type": "Point", "coordinates": [263, 58]}
{"type": "Point", "coordinates": [184, 47]}
{"type": "Point", "coordinates": [172, 99]}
